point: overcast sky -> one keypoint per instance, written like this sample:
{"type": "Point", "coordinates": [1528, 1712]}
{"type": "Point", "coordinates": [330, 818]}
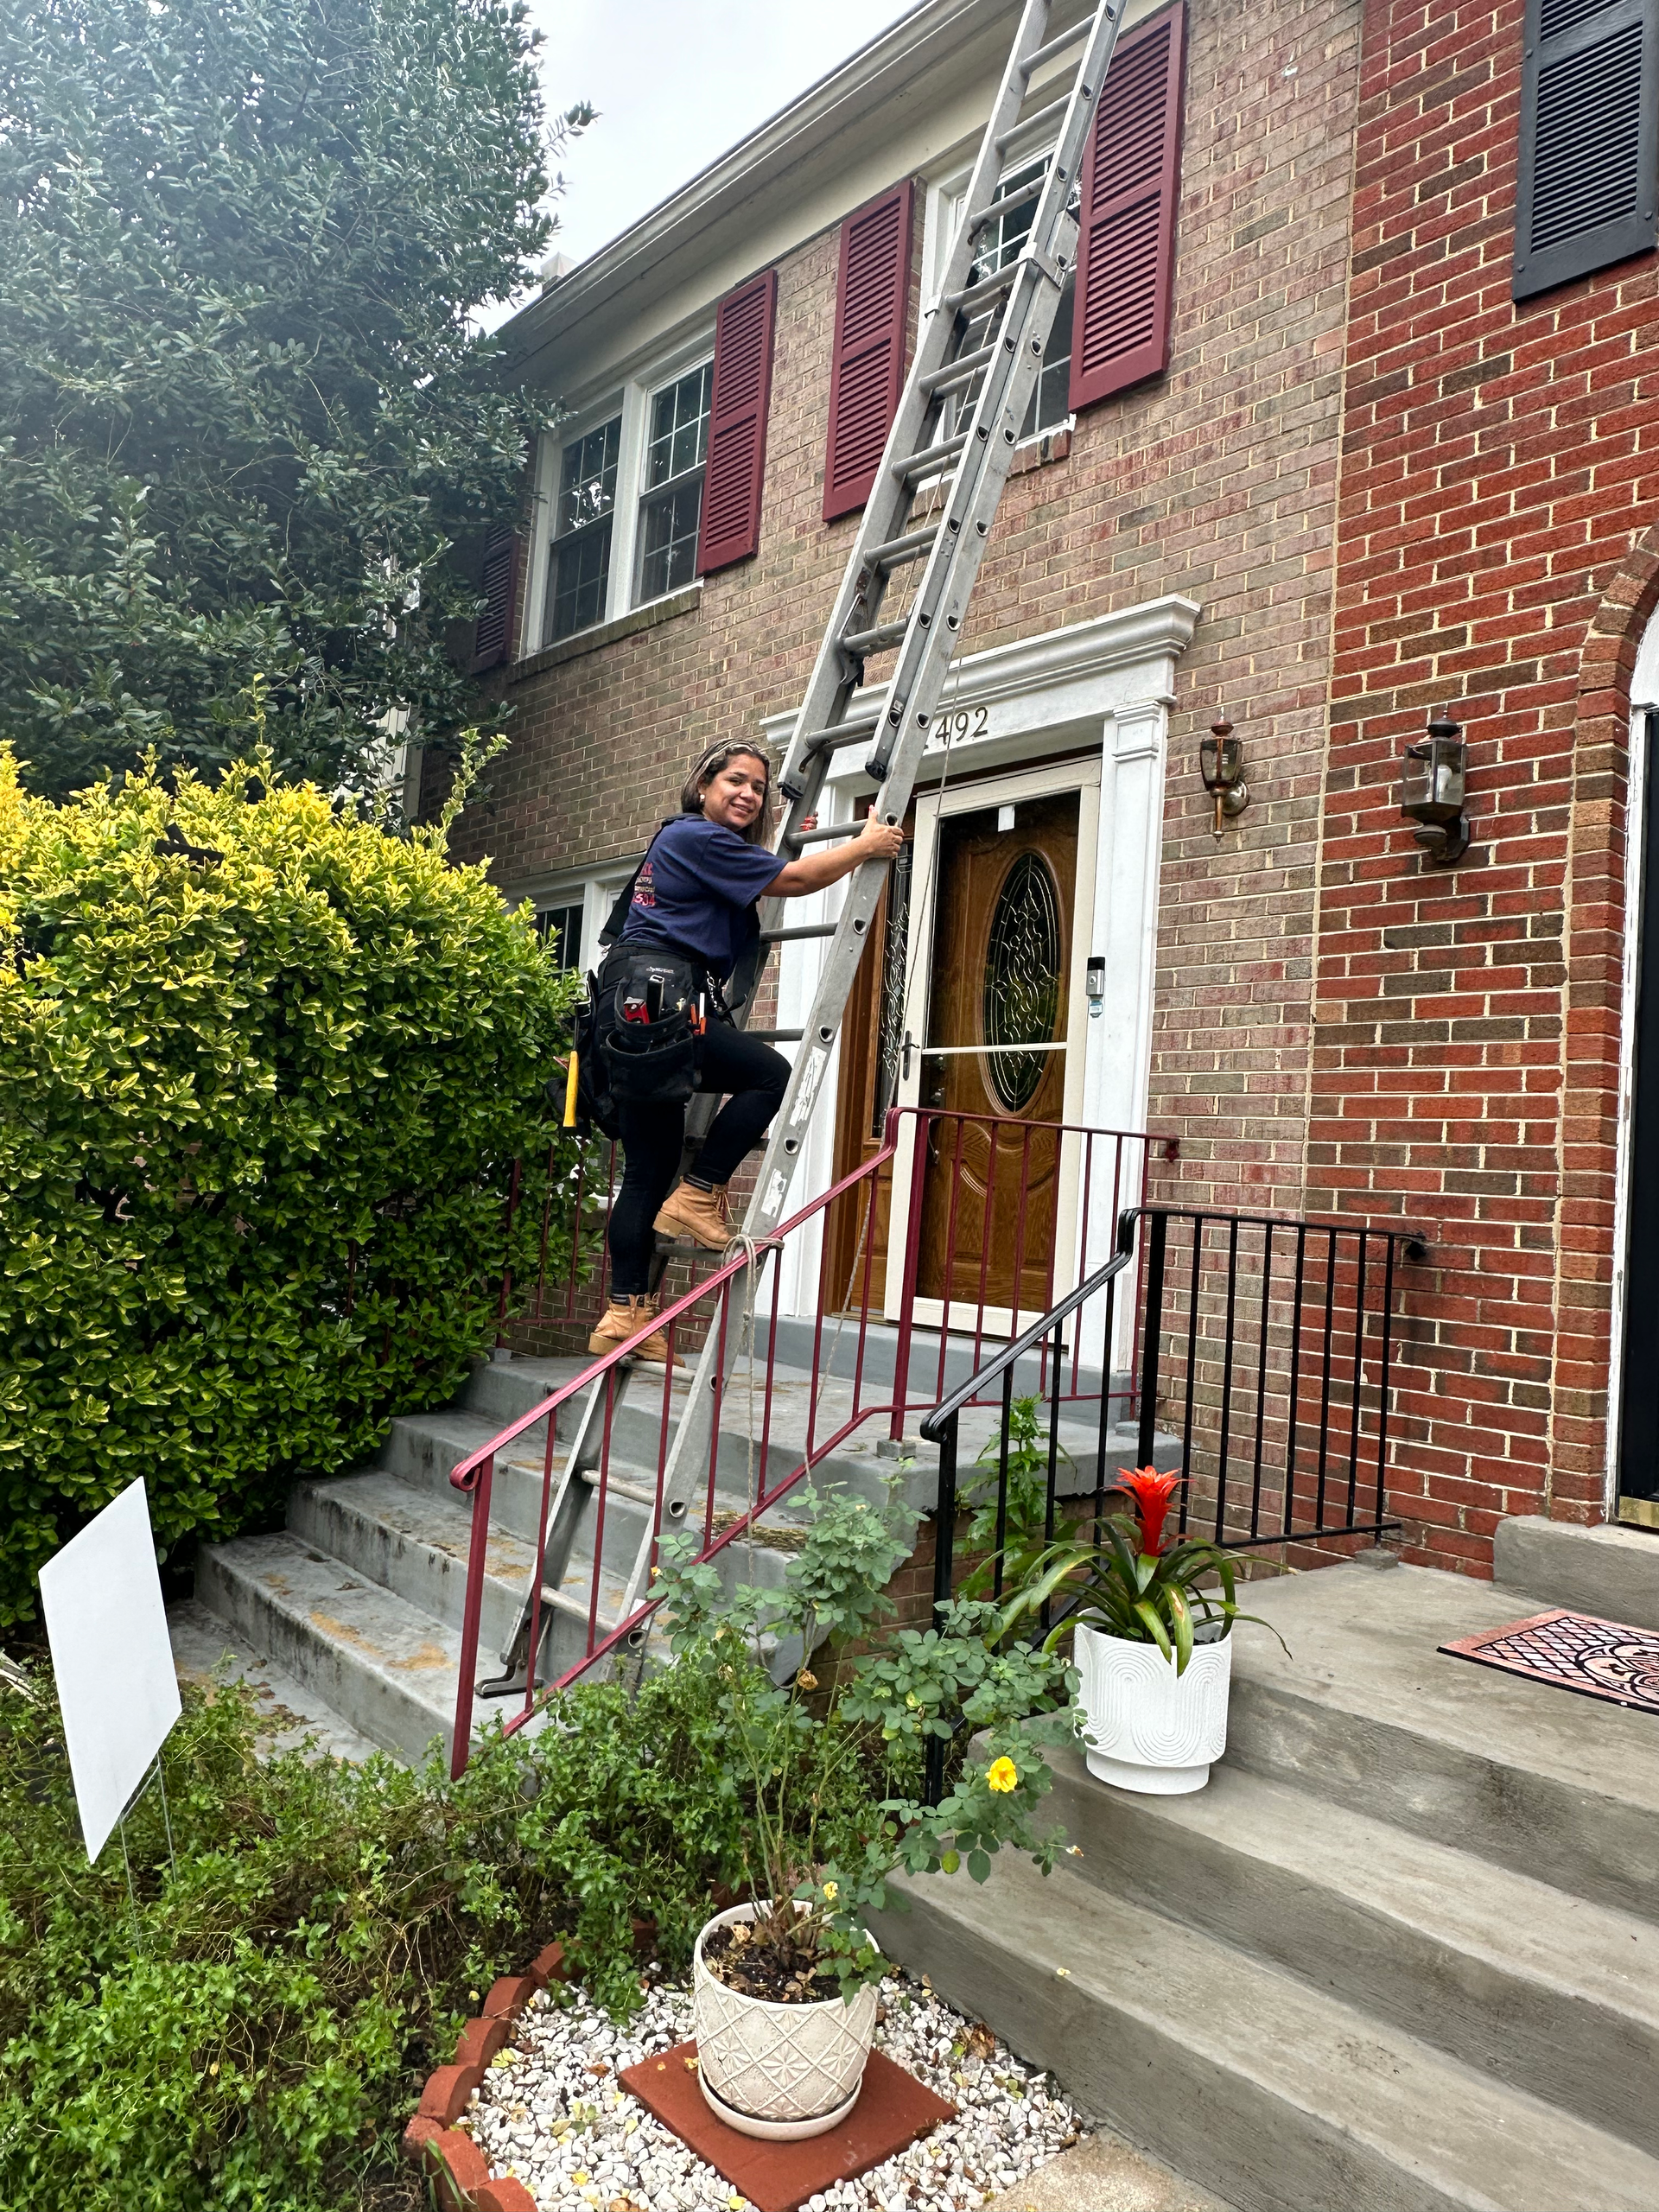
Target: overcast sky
{"type": "Point", "coordinates": [677, 82]}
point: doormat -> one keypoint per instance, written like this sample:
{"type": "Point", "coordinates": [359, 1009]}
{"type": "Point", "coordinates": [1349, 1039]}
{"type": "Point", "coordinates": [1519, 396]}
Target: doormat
{"type": "Point", "coordinates": [894, 2108]}
{"type": "Point", "coordinates": [1573, 1651]}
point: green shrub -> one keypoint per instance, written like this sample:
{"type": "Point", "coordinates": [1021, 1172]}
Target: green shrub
{"type": "Point", "coordinates": [257, 1115]}
{"type": "Point", "coordinates": [258, 2035]}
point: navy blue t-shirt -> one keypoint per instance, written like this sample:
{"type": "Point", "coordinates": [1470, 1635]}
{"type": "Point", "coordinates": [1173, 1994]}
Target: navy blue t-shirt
{"type": "Point", "coordinates": [697, 889]}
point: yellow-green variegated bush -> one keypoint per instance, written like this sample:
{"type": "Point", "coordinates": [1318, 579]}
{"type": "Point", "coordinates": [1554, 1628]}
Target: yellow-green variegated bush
{"type": "Point", "coordinates": [257, 1113]}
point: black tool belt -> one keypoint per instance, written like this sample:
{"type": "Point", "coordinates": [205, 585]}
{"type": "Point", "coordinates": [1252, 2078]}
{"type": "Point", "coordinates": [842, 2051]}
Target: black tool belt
{"type": "Point", "coordinates": [651, 1002]}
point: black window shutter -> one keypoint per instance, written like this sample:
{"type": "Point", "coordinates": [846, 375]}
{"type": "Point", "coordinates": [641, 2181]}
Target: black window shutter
{"type": "Point", "coordinates": [1589, 181]}
{"type": "Point", "coordinates": [493, 638]}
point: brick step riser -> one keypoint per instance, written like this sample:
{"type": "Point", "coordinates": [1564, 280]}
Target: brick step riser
{"type": "Point", "coordinates": [1586, 1844]}
{"type": "Point", "coordinates": [1552, 2042]}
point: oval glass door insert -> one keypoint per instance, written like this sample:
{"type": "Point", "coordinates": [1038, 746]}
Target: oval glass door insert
{"type": "Point", "coordinates": [1022, 978]}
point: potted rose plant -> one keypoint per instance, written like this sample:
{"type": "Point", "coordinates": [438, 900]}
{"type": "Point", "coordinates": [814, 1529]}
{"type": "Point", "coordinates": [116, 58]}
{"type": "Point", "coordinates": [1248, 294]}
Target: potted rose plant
{"type": "Point", "coordinates": [1153, 1621]}
{"type": "Point", "coordinates": [784, 1983]}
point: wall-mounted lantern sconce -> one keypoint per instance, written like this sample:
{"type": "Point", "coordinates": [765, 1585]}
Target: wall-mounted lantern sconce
{"type": "Point", "coordinates": [1431, 792]}
{"type": "Point", "coordinates": [1221, 763]}
{"type": "Point", "coordinates": [1095, 983]}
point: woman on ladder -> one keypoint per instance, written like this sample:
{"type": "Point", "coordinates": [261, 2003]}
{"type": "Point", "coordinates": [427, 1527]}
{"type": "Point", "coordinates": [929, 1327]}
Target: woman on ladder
{"type": "Point", "coordinates": [694, 896]}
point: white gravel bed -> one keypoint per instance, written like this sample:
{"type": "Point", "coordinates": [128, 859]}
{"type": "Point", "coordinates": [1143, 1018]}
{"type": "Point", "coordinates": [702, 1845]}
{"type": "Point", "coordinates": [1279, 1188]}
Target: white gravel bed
{"type": "Point", "coordinates": [552, 2112]}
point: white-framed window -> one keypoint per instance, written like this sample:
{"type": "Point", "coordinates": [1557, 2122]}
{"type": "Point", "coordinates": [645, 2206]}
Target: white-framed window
{"type": "Point", "coordinates": [572, 910]}
{"type": "Point", "coordinates": [621, 497]}
{"type": "Point", "coordinates": [560, 927]}
{"type": "Point", "coordinates": [579, 560]}
{"type": "Point", "coordinates": [671, 503]}
{"type": "Point", "coordinates": [999, 244]}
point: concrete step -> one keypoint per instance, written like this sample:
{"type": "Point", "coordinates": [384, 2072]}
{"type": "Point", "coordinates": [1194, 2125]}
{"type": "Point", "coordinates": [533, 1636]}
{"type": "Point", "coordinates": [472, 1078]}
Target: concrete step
{"type": "Point", "coordinates": [292, 1717]}
{"type": "Point", "coordinates": [500, 1390]}
{"type": "Point", "coordinates": [414, 1543]}
{"type": "Point", "coordinates": [1611, 1572]}
{"type": "Point", "coordinates": [1554, 1995]}
{"type": "Point", "coordinates": [1274, 2094]}
{"type": "Point", "coordinates": [801, 1336]}
{"type": "Point", "coordinates": [1368, 1713]}
{"type": "Point", "coordinates": [386, 1667]}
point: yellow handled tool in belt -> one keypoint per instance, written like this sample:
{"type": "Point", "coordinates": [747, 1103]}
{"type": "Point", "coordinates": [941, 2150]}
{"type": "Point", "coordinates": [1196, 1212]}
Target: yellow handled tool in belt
{"type": "Point", "coordinates": [570, 1092]}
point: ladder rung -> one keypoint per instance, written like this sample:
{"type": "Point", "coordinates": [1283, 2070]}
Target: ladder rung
{"type": "Point", "coordinates": [930, 457]}
{"type": "Point", "coordinates": [1023, 198]}
{"type": "Point", "coordinates": [1034, 62]}
{"type": "Point", "coordinates": [849, 733]}
{"type": "Point", "coordinates": [987, 288]}
{"type": "Point", "coordinates": [958, 372]}
{"type": "Point", "coordinates": [822, 836]}
{"type": "Point", "coordinates": [795, 936]}
{"type": "Point", "coordinates": [775, 1036]}
{"type": "Point", "coordinates": [877, 640]}
{"type": "Point", "coordinates": [898, 550]}
{"type": "Point", "coordinates": [613, 1487]}
{"type": "Point", "coordinates": [1032, 123]}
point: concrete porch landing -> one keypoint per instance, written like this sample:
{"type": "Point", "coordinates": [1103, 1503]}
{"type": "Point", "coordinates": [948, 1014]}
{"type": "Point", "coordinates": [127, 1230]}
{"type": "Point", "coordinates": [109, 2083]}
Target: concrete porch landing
{"type": "Point", "coordinates": [1401, 1955]}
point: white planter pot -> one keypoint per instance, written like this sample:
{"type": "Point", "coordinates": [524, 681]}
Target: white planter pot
{"type": "Point", "coordinates": [1147, 1728]}
{"type": "Point", "coordinates": [783, 2071]}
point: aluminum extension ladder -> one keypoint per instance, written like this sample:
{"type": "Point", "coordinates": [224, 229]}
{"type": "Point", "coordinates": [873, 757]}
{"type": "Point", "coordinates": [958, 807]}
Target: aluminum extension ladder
{"type": "Point", "coordinates": [963, 358]}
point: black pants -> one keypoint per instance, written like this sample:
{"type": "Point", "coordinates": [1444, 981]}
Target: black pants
{"type": "Point", "coordinates": [652, 1137]}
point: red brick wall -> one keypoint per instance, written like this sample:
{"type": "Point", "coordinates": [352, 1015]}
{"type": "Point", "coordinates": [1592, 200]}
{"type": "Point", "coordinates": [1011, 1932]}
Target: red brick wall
{"type": "Point", "coordinates": [1498, 472]}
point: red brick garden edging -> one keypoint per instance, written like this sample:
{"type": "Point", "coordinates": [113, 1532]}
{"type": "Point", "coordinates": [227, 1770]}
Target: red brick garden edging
{"type": "Point", "coordinates": [433, 2140]}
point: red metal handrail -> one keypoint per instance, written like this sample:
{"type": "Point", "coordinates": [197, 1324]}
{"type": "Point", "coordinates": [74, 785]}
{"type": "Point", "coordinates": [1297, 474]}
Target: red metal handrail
{"type": "Point", "coordinates": [710, 1300]}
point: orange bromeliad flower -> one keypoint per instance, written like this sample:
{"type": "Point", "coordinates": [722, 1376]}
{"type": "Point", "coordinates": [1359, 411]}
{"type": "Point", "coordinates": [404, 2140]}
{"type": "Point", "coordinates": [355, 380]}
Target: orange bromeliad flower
{"type": "Point", "coordinates": [1151, 1493]}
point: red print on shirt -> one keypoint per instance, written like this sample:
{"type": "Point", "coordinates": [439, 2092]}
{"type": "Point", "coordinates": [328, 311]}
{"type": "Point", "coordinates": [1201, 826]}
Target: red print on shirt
{"type": "Point", "coordinates": [643, 891]}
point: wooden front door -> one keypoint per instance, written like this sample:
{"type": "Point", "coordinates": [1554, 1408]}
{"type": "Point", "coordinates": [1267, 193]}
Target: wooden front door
{"type": "Point", "coordinates": [998, 996]}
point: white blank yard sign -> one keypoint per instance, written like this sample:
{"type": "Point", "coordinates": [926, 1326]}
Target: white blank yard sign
{"type": "Point", "coordinates": [117, 1686]}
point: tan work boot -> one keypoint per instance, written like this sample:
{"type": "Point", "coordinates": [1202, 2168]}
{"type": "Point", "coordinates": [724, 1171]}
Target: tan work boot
{"type": "Point", "coordinates": [622, 1323]}
{"type": "Point", "coordinates": [690, 1214]}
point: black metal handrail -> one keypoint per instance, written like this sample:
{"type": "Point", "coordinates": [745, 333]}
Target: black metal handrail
{"type": "Point", "coordinates": [1320, 1392]}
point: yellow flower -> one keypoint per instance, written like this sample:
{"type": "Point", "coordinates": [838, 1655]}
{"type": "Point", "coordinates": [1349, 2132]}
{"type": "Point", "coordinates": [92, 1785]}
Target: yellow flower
{"type": "Point", "coordinates": [807, 1680]}
{"type": "Point", "coordinates": [831, 1891]}
{"type": "Point", "coordinates": [1002, 1774]}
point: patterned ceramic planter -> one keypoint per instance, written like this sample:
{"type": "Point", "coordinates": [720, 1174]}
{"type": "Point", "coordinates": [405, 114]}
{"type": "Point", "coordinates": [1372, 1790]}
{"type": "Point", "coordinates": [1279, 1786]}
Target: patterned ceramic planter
{"type": "Point", "coordinates": [779, 2070]}
{"type": "Point", "coordinates": [1147, 1727]}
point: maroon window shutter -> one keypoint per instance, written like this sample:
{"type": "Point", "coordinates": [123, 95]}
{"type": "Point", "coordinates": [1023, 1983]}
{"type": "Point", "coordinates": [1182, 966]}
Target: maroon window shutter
{"type": "Point", "coordinates": [1125, 245]}
{"type": "Point", "coordinates": [492, 636]}
{"type": "Point", "coordinates": [730, 528]}
{"type": "Point", "coordinates": [866, 371]}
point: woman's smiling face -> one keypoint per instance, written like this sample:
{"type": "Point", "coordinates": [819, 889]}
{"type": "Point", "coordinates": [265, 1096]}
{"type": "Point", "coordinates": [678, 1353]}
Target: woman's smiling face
{"type": "Point", "coordinates": [735, 794]}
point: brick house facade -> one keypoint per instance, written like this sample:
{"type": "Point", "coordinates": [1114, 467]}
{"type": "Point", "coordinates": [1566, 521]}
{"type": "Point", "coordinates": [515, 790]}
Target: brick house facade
{"type": "Point", "coordinates": [1368, 483]}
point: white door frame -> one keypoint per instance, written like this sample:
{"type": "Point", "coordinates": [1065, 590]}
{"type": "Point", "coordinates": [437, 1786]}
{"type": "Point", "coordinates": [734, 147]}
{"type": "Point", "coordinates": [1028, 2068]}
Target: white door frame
{"type": "Point", "coordinates": [1105, 685]}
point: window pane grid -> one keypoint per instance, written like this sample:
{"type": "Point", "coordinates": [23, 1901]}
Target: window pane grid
{"type": "Point", "coordinates": [679, 427]}
{"type": "Point", "coordinates": [676, 449]}
{"type": "Point", "coordinates": [669, 539]}
{"type": "Point", "coordinates": [1000, 243]}
{"type": "Point", "coordinates": [587, 477]}
{"type": "Point", "coordinates": [561, 926]}
{"type": "Point", "coordinates": [579, 571]}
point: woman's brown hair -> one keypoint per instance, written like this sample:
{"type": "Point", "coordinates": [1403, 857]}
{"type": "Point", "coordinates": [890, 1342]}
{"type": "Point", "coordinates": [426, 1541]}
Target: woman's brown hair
{"type": "Point", "coordinates": [704, 772]}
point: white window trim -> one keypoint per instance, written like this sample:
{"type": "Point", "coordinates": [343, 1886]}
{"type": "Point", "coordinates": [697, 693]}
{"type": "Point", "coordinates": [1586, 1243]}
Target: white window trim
{"type": "Point", "coordinates": [631, 401]}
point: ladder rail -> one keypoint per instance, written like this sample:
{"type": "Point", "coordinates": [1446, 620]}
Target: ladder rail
{"type": "Point", "coordinates": [976, 476]}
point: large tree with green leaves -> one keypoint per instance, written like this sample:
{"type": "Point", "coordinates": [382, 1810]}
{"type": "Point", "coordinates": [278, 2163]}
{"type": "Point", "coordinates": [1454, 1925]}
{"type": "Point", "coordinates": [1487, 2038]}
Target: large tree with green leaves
{"type": "Point", "coordinates": [247, 424]}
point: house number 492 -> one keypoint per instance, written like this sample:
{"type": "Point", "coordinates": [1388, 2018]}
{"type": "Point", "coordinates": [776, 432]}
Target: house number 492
{"type": "Point", "coordinates": [967, 721]}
